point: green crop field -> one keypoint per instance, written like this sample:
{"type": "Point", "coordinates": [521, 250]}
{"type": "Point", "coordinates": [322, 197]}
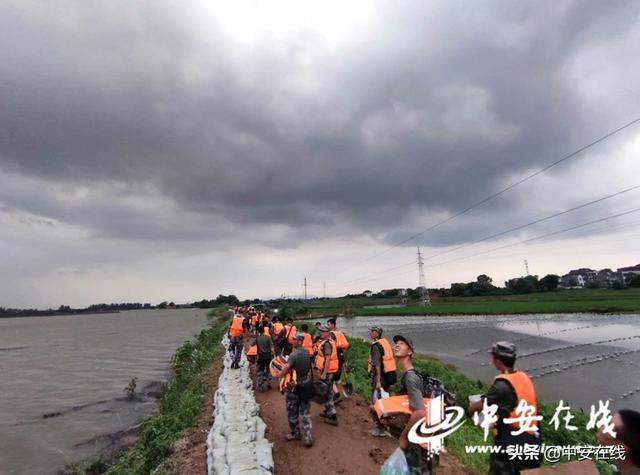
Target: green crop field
{"type": "Point", "coordinates": [560, 301]}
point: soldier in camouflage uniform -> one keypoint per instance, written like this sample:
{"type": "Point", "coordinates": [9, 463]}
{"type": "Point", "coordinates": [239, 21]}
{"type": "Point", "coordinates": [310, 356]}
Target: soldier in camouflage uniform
{"type": "Point", "coordinates": [298, 407]}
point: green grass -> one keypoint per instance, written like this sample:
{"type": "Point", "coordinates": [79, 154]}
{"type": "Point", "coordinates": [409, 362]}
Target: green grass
{"type": "Point", "coordinates": [463, 387]}
{"type": "Point", "coordinates": [180, 406]}
{"type": "Point", "coordinates": [560, 301]}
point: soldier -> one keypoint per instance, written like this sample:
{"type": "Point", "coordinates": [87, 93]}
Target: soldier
{"type": "Point", "coordinates": [295, 377]}
{"type": "Point", "coordinates": [265, 355]}
{"type": "Point", "coordinates": [411, 385]}
{"type": "Point", "coordinates": [510, 387]}
{"type": "Point", "coordinates": [326, 363]}
{"type": "Point", "coordinates": [235, 332]}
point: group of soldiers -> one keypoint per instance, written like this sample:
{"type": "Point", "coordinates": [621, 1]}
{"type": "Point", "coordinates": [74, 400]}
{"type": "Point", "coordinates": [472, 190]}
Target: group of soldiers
{"type": "Point", "coordinates": [301, 354]}
{"type": "Point", "coordinates": [324, 354]}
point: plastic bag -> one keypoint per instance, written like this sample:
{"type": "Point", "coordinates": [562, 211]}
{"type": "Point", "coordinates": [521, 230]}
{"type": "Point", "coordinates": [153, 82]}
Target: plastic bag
{"type": "Point", "coordinates": [396, 464]}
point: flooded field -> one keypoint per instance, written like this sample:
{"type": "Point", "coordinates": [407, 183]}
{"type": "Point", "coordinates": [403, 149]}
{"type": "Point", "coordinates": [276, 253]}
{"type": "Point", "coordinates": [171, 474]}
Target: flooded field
{"type": "Point", "coordinates": [580, 358]}
{"type": "Point", "coordinates": [62, 380]}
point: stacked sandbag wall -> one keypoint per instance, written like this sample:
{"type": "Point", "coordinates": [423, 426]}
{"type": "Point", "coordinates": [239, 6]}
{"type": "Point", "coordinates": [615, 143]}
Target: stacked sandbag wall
{"type": "Point", "coordinates": [236, 441]}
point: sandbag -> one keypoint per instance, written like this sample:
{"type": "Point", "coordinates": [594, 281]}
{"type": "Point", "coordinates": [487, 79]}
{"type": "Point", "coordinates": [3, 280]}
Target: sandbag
{"type": "Point", "coordinates": [396, 464]}
{"type": "Point", "coordinates": [320, 395]}
{"type": "Point", "coordinates": [277, 365]}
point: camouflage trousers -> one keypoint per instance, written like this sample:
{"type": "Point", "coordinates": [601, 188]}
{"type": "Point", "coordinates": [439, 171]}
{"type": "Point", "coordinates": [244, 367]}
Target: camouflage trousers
{"type": "Point", "coordinates": [329, 405]}
{"type": "Point", "coordinates": [417, 460]}
{"type": "Point", "coordinates": [264, 377]}
{"type": "Point", "coordinates": [299, 416]}
{"type": "Point", "coordinates": [235, 348]}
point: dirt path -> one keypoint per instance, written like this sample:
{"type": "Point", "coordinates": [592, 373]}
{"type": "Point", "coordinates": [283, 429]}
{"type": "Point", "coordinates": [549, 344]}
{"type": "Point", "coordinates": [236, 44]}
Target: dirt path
{"type": "Point", "coordinates": [346, 449]}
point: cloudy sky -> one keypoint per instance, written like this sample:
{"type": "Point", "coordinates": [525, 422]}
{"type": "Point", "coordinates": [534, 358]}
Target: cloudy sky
{"type": "Point", "coordinates": [176, 150]}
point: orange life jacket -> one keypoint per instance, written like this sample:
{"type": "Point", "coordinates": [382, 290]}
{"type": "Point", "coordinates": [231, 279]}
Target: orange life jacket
{"type": "Point", "coordinates": [291, 333]}
{"type": "Point", "coordinates": [523, 387]}
{"type": "Point", "coordinates": [254, 320]}
{"type": "Point", "coordinates": [388, 363]}
{"type": "Point", "coordinates": [307, 343]}
{"type": "Point", "coordinates": [341, 340]}
{"type": "Point", "coordinates": [333, 358]}
{"type": "Point", "coordinates": [236, 326]}
{"type": "Point", "coordinates": [289, 381]}
{"type": "Point", "coordinates": [395, 405]}
{"type": "Point", "coordinates": [253, 350]}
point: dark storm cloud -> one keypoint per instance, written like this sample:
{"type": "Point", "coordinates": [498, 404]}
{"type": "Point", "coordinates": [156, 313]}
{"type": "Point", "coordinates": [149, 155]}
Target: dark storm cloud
{"type": "Point", "coordinates": [435, 108]}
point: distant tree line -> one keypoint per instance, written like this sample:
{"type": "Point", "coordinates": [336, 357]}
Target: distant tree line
{"type": "Point", "coordinates": [219, 300]}
{"type": "Point", "coordinates": [67, 310]}
{"type": "Point", "coordinates": [482, 286]}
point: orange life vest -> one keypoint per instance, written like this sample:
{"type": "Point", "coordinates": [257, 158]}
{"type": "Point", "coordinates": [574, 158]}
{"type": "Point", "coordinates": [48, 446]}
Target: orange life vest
{"type": "Point", "coordinates": [307, 343]}
{"type": "Point", "coordinates": [254, 320]}
{"type": "Point", "coordinates": [289, 381]}
{"type": "Point", "coordinates": [523, 387]}
{"type": "Point", "coordinates": [291, 333]}
{"type": "Point", "coordinates": [396, 405]}
{"type": "Point", "coordinates": [253, 350]}
{"type": "Point", "coordinates": [333, 358]}
{"type": "Point", "coordinates": [236, 326]}
{"type": "Point", "coordinates": [341, 341]}
{"type": "Point", "coordinates": [388, 363]}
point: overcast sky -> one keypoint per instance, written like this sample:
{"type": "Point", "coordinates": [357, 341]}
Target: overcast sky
{"type": "Point", "coordinates": [168, 150]}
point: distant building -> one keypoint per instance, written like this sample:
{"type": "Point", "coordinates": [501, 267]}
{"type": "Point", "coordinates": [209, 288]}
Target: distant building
{"type": "Point", "coordinates": [402, 292]}
{"type": "Point", "coordinates": [625, 273]}
{"type": "Point", "coordinates": [367, 293]}
{"type": "Point", "coordinates": [578, 277]}
{"type": "Point", "coordinates": [606, 277]}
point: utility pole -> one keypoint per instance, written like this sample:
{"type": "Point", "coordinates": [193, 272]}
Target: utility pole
{"type": "Point", "coordinates": [425, 301]}
{"type": "Point", "coordinates": [305, 288]}
{"type": "Point", "coordinates": [324, 289]}
{"type": "Point", "coordinates": [526, 267]}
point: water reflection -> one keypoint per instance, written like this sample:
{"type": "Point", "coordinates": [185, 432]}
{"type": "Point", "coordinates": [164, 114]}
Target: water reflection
{"type": "Point", "coordinates": [580, 358]}
{"type": "Point", "coordinates": [62, 381]}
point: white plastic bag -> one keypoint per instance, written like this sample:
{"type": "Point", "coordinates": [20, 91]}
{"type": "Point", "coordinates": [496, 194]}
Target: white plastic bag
{"type": "Point", "coordinates": [396, 464]}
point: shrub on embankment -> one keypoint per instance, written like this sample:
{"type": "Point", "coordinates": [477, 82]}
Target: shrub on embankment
{"type": "Point", "coordinates": [180, 406]}
{"type": "Point", "coordinates": [463, 387]}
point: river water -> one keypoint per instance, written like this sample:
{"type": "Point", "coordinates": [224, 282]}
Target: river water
{"type": "Point", "coordinates": [62, 381]}
{"type": "Point", "coordinates": [580, 358]}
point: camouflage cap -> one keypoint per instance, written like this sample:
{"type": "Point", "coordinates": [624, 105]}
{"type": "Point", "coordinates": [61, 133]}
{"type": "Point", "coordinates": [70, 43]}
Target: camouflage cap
{"type": "Point", "coordinates": [503, 348]}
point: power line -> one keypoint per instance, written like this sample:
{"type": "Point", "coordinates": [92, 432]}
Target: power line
{"type": "Point", "coordinates": [540, 220]}
{"type": "Point", "coordinates": [385, 276]}
{"type": "Point", "coordinates": [509, 187]}
{"type": "Point", "coordinates": [381, 272]}
{"type": "Point", "coordinates": [554, 233]}
{"type": "Point", "coordinates": [635, 210]}
{"type": "Point", "coordinates": [502, 233]}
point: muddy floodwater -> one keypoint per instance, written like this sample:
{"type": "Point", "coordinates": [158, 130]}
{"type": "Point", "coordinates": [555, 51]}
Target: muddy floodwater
{"type": "Point", "coordinates": [580, 358]}
{"type": "Point", "coordinates": [62, 381]}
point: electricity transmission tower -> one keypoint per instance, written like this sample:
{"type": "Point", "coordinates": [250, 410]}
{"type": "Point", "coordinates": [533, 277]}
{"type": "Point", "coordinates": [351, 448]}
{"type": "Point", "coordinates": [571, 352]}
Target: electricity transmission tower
{"type": "Point", "coordinates": [425, 301]}
{"type": "Point", "coordinates": [526, 267]}
{"type": "Point", "coordinates": [324, 289]}
{"type": "Point", "coordinates": [305, 288]}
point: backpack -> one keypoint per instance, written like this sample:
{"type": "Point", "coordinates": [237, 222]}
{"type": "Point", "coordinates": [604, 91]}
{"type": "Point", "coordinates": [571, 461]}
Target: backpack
{"type": "Point", "coordinates": [433, 387]}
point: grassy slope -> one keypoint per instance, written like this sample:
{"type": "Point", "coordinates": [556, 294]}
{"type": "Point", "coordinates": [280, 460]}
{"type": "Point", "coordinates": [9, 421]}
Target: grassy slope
{"type": "Point", "coordinates": [561, 301]}
{"type": "Point", "coordinates": [463, 387]}
{"type": "Point", "coordinates": [179, 408]}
